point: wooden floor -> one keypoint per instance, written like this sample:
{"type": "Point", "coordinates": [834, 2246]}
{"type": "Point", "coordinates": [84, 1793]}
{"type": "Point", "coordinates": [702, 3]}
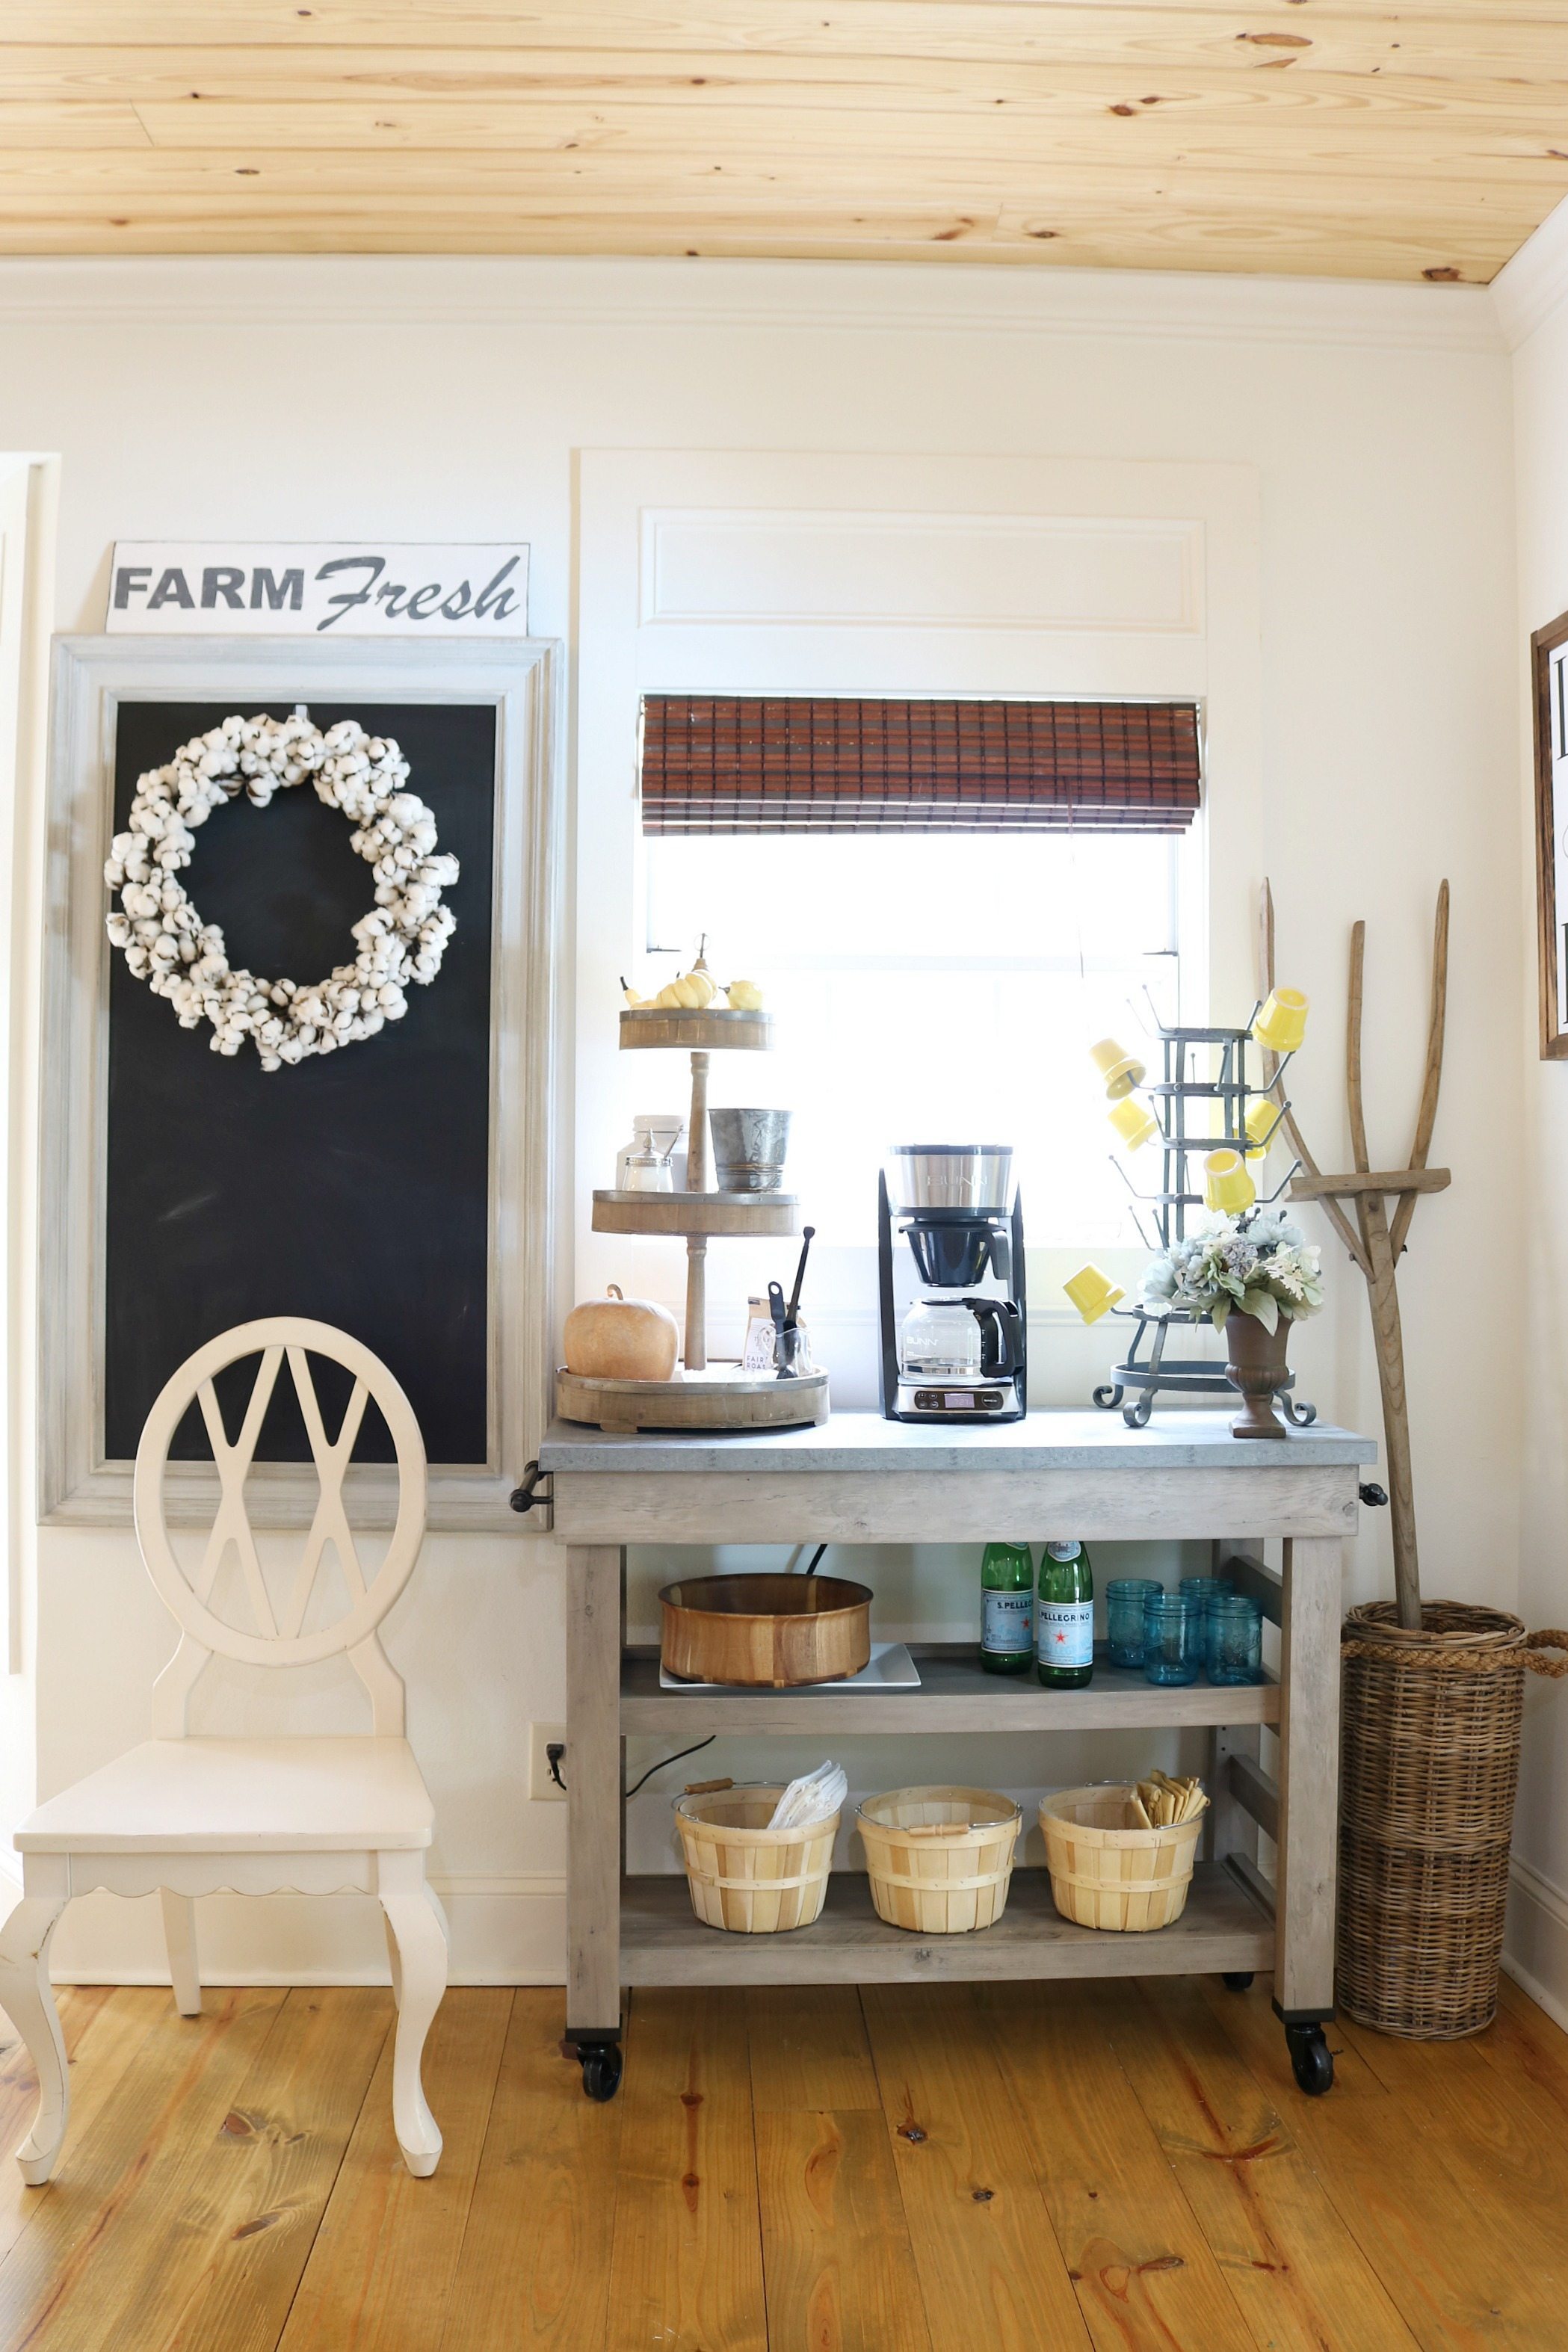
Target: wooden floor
{"type": "Point", "coordinates": [1016, 2169]}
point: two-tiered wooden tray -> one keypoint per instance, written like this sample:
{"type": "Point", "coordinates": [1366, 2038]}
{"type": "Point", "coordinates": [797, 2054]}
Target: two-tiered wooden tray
{"type": "Point", "coordinates": [701, 1396]}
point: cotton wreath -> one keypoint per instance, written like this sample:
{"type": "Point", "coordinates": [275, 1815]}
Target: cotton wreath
{"type": "Point", "coordinates": [167, 944]}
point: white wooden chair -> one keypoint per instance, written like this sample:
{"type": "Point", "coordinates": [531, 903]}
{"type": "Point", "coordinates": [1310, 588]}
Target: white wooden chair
{"type": "Point", "coordinates": [191, 1816]}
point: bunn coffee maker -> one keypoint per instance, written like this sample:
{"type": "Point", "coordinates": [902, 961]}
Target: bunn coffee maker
{"type": "Point", "coordinates": [952, 1311]}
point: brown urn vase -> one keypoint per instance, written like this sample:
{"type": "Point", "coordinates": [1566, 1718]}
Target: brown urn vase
{"type": "Point", "coordinates": [1256, 1366]}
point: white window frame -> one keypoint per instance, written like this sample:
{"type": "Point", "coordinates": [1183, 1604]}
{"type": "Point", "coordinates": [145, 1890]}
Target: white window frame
{"type": "Point", "coordinates": [748, 573]}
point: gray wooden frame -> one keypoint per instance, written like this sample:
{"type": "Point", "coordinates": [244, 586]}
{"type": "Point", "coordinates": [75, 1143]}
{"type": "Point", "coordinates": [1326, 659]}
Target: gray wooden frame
{"type": "Point", "coordinates": [91, 676]}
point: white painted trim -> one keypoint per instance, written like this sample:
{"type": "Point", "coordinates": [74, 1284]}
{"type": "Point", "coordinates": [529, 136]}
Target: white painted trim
{"type": "Point", "coordinates": [1546, 1932]}
{"type": "Point", "coordinates": [551, 1882]}
{"type": "Point", "coordinates": [536, 291]}
{"type": "Point", "coordinates": [1528, 290]}
{"type": "Point", "coordinates": [1556, 2010]}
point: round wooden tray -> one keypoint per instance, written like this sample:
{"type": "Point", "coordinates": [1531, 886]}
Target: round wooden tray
{"type": "Point", "coordinates": [722, 1397]}
{"type": "Point", "coordinates": [760, 1214]}
{"type": "Point", "coordinates": [724, 1032]}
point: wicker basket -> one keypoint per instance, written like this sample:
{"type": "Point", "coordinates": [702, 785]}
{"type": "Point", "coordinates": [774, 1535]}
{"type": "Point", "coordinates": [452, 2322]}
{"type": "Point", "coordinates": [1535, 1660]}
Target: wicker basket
{"type": "Point", "coordinates": [1429, 1767]}
{"type": "Point", "coordinates": [940, 1859]}
{"type": "Point", "coordinates": [745, 1876]}
{"type": "Point", "coordinates": [1104, 1874]}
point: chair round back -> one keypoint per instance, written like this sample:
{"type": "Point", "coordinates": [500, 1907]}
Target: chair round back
{"type": "Point", "coordinates": [278, 1639]}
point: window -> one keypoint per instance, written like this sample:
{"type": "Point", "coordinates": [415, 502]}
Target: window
{"type": "Point", "coordinates": [945, 910]}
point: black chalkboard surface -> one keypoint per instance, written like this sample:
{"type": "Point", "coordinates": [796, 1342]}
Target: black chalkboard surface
{"type": "Point", "coordinates": [353, 1188]}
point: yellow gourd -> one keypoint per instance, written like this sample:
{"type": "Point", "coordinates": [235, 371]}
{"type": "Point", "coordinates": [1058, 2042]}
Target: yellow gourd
{"type": "Point", "coordinates": [691, 993]}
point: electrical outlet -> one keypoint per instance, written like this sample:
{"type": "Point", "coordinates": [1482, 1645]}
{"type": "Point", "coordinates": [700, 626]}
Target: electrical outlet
{"type": "Point", "coordinates": [543, 1736]}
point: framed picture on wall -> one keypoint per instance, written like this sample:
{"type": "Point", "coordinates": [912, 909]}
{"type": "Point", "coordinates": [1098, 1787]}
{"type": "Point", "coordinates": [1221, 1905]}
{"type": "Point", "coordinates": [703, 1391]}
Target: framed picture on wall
{"type": "Point", "coordinates": [1549, 651]}
{"type": "Point", "coordinates": [341, 1106]}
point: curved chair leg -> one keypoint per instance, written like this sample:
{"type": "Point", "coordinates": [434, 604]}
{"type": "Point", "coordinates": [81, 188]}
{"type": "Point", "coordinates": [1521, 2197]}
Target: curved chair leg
{"type": "Point", "coordinates": [393, 1963]}
{"type": "Point", "coordinates": [180, 1936]}
{"type": "Point", "coordinates": [419, 1978]}
{"type": "Point", "coordinates": [28, 2001]}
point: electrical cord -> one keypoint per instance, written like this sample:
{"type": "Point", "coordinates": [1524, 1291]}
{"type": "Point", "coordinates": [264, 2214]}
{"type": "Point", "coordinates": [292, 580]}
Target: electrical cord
{"type": "Point", "coordinates": [816, 1560]}
{"type": "Point", "coordinates": [663, 1760]}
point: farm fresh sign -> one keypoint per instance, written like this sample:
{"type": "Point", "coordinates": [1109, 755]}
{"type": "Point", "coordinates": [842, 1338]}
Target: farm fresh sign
{"type": "Point", "coordinates": [159, 588]}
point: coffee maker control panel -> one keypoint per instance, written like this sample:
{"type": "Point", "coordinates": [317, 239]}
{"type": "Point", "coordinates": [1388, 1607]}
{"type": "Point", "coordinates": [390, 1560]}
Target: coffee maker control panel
{"type": "Point", "coordinates": [950, 1401]}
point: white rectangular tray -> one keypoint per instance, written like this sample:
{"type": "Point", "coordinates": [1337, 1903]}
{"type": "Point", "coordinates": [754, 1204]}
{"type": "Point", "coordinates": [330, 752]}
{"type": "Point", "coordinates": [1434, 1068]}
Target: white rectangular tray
{"type": "Point", "coordinates": [891, 1668]}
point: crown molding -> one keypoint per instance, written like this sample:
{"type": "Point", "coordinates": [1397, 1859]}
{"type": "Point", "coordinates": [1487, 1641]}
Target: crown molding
{"type": "Point", "coordinates": [534, 291]}
{"type": "Point", "coordinates": [1529, 288]}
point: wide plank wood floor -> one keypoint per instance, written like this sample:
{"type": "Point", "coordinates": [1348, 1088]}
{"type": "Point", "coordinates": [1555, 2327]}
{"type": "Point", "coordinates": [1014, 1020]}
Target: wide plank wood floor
{"type": "Point", "coordinates": [1099, 2167]}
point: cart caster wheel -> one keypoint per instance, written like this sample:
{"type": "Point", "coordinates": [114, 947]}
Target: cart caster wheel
{"type": "Point", "coordinates": [601, 2068]}
{"type": "Point", "coordinates": [1237, 1979]}
{"type": "Point", "coordinates": [1312, 2059]}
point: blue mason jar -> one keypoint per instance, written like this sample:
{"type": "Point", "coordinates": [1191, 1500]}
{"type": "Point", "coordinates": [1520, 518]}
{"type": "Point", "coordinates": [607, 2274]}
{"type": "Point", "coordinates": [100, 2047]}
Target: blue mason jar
{"type": "Point", "coordinates": [1124, 1599]}
{"type": "Point", "coordinates": [1234, 1640]}
{"type": "Point", "coordinates": [1173, 1637]}
{"type": "Point", "coordinates": [1203, 1590]}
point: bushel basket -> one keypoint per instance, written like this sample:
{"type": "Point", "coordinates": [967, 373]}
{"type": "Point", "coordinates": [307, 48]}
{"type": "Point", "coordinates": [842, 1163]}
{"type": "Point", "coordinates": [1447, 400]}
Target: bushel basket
{"type": "Point", "coordinates": [1429, 1770]}
{"type": "Point", "coordinates": [744, 1875]}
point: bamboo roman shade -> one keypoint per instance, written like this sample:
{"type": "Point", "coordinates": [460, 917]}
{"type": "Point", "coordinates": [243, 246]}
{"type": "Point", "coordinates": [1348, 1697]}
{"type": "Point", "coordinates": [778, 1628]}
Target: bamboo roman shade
{"type": "Point", "coordinates": [809, 764]}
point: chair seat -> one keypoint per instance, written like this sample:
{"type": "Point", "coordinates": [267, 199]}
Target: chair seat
{"type": "Point", "coordinates": [227, 1796]}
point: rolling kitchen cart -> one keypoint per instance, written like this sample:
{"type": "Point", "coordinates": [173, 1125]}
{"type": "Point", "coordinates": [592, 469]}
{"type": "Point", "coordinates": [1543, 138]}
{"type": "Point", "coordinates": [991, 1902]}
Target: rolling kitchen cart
{"type": "Point", "coordinates": [863, 1480]}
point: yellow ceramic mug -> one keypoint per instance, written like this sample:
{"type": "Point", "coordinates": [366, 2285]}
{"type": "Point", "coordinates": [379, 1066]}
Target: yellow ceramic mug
{"type": "Point", "coordinates": [1092, 1293]}
{"type": "Point", "coordinates": [1133, 1120]}
{"type": "Point", "coordinates": [1120, 1070]}
{"type": "Point", "coordinates": [1282, 1023]}
{"type": "Point", "coordinates": [1263, 1117]}
{"type": "Point", "coordinates": [1227, 1187]}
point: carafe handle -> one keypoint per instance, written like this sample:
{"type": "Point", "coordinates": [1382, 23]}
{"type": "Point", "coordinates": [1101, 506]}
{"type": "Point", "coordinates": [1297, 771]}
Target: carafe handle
{"type": "Point", "coordinates": [998, 1342]}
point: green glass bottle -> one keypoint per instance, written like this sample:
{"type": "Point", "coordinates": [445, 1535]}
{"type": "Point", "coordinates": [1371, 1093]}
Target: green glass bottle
{"type": "Point", "coordinates": [1006, 1594]}
{"type": "Point", "coordinates": [1064, 1621]}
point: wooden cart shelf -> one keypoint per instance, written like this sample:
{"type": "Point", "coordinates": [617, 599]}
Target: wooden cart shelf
{"type": "Point", "coordinates": [762, 1216]}
{"type": "Point", "coordinates": [1222, 1929]}
{"type": "Point", "coordinates": [955, 1694]}
{"type": "Point", "coordinates": [861, 1480]}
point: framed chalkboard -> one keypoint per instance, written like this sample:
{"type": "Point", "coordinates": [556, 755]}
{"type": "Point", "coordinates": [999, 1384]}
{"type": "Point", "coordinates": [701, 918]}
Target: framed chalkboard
{"type": "Point", "coordinates": [400, 1188]}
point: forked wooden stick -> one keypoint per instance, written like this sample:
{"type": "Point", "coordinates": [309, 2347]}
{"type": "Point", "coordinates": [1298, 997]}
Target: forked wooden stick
{"type": "Point", "coordinates": [1377, 1245]}
{"type": "Point", "coordinates": [1331, 1208]}
{"type": "Point", "coordinates": [1436, 1024]}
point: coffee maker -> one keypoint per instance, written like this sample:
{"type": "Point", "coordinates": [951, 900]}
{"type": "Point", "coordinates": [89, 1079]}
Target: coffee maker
{"type": "Point", "coordinates": [953, 1341]}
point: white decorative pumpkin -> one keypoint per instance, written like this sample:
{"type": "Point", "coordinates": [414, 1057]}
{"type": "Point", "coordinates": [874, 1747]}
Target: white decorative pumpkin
{"type": "Point", "coordinates": [618, 1339]}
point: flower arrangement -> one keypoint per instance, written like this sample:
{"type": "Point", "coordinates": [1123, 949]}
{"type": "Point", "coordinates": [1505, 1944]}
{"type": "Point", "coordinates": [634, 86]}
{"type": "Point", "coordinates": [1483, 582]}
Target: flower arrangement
{"type": "Point", "coordinates": [1259, 1264]}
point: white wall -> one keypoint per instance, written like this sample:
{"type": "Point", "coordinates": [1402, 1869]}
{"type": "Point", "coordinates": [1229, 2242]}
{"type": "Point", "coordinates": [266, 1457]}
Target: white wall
{"type": "Point", "coordinates": [447, 400]}
{"type": "Point", "coordinates": [1534, 301]}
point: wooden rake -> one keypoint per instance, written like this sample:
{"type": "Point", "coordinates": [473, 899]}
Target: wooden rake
{"type": "Point", "coordinates": [1375, 1242]}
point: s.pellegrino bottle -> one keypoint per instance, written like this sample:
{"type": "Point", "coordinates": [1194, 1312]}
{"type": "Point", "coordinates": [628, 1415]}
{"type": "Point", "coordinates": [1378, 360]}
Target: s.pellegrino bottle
{"type": "Point", "coordinates": [1064, 1622]}
{"type": "Point", "coordinates": [1006, 1599]}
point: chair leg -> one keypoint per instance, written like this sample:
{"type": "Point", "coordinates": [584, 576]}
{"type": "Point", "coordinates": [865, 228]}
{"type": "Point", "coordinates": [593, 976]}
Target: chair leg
{"type": "Point", "coordinates": [419, 1980]}
{"type": "Point", "coordinates": [393, 1963]}
{"type": "Point", "coordinates": [28, 2001]}
{"type": "Point", "coordinates": [180, 1936]}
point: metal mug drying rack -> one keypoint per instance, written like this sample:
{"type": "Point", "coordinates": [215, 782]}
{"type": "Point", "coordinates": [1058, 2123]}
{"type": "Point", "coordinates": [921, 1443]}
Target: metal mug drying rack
{"type": "Point", "coordinates": [1146, 1370]}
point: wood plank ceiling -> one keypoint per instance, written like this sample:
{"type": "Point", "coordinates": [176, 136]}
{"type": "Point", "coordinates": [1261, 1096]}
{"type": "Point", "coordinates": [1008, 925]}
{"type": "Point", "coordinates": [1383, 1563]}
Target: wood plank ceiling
{"type": "Point", "coordinates": [1327, 138]}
